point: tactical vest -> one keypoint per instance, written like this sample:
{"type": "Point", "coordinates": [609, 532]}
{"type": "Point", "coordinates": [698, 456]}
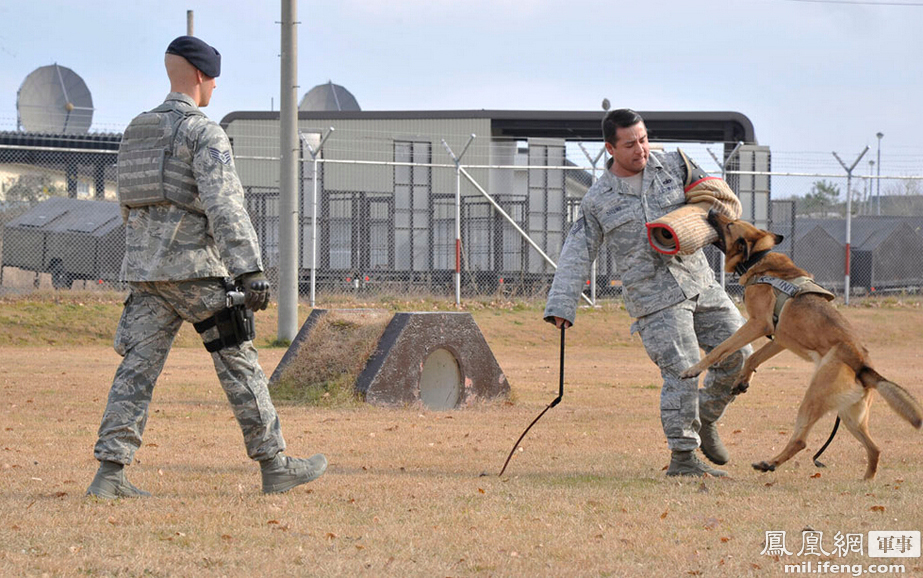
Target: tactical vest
{"type": "Point", "coordinates": [149, 173]}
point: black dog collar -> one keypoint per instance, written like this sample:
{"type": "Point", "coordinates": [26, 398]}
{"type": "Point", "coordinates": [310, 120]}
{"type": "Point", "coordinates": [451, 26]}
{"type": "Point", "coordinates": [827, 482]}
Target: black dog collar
{"type": "Point", "coordinates": [742, 268]}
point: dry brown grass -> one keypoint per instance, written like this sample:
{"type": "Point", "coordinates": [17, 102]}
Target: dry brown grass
{"type": "Point", "coordinates": [328, 361]}
{"type": "Point", "coordinates": [403, 496]}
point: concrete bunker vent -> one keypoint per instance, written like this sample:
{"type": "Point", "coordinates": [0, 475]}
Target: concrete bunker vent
{"type": "Point", "coordinates": [439, 359]}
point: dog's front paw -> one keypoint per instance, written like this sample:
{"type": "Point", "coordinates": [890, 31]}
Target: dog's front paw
{"type": "Point", "coordinates": [764, 467]}
{"type": "Point", "coordinates": [740, 387]}
{"type": "Point", "coordinates": [693, 371]}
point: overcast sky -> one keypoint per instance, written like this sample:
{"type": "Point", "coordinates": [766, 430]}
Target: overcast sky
{"type": "Point", "coordinates": [813, 76]}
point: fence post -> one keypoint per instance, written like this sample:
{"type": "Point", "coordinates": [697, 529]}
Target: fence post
{"type": "Point", "coordinates": [314, 156]}
{"type": "Point", "coordinates": [848, 214]}
{"type": "Point", "coordinates": [880, 135]}
{"type": "Point", "coordinates": [457, 161]}
{"type": "Point", "coordinates": [593, 161]}
{"type": "Point", "coordinates": [724, 171]}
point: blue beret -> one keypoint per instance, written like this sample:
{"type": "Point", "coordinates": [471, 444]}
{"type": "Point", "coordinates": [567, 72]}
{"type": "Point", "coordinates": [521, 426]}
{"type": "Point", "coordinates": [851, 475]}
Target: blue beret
{"type": "Point", "coordinates": [198, 53]}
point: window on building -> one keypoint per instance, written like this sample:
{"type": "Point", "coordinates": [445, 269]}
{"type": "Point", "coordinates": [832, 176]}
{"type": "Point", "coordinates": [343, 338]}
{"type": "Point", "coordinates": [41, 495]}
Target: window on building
{"type": "Point", "coordinates": [412, 208]}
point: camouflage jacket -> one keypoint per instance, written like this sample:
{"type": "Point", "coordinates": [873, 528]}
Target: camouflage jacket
{"type": "Point", "coordinates": [165, 242]}
{"type": "Point", "coordinates": [612, 213]}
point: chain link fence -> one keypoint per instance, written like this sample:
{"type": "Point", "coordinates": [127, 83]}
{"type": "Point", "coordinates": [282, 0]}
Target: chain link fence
{"type": "Point", "coordinates": [883, 234]}
{"type": "Point", "coordinates": [390, 214]}
{"type": "Point", "coordinates": [61, 226]}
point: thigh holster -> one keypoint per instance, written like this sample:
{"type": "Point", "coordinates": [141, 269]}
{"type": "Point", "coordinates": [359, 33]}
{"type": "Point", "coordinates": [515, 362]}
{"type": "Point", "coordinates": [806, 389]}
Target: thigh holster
{"type": "Point", "coordinates": [234, 325]}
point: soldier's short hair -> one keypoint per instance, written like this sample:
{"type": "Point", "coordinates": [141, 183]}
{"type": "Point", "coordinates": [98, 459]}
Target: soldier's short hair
{"type": "Point", "coordinates": [616, 119]}
{"type": "Point", "coordinates": [204, 57]}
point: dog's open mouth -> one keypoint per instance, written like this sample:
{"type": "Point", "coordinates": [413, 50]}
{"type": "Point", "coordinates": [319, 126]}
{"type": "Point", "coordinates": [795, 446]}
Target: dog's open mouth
{"type": "Point", "coordinates": [713, 221]}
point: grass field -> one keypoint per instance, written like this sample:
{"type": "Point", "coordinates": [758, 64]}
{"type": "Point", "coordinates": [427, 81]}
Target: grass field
{"type": "Point", "coordinates": [403, 495]}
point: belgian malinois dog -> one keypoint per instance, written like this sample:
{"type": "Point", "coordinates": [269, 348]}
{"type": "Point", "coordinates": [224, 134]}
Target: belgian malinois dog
{"type": "Point", "coordinates": [809, 326]}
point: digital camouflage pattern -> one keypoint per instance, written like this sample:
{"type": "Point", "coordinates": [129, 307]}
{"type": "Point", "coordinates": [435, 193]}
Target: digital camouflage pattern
{"type": "Point", "coordinates": [166, 242]}
{"type": "Point", "coordinates": [675, 300]}
{"type": "Point", "coordinates": [672, 338]}
{"type": "Point", "coordinates": [154, 312]}
{"type": "Point", "coordinates": [175, 262]}
{"type": "Point", "coordinates": [149, 172]}
{"type": "Point", "coordinates": [611, 212]}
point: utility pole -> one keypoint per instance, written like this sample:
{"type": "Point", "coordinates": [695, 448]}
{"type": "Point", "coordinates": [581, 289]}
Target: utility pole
{"type": "Point", "coordinates": [288, 175]}
{"type": "Point", "coordinates": [189, 27]}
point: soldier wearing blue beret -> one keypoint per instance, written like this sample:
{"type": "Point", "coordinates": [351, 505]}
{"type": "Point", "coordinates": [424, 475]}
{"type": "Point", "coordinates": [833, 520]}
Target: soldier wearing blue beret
{"type": "Point", "coordinates": [198, 53]}
{"type": "Point", "coordinates": [187, 232]}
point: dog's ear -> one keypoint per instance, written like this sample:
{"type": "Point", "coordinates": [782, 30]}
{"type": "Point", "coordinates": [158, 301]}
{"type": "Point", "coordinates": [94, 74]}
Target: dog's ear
{"type": "Point", "coordinates": [744, 248]}
{"type": "Point", "coordinates": [779, 238]}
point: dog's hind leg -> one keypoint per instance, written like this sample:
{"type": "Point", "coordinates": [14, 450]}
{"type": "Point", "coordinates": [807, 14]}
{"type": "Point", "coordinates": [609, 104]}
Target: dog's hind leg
{"type": "Point", "coordinates": [818, 400]}
{"type": "Point", "coordinates": [856, 419]}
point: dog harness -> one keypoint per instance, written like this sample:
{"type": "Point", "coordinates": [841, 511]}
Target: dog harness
{"type": "Point", "coordinates": [785, 289]}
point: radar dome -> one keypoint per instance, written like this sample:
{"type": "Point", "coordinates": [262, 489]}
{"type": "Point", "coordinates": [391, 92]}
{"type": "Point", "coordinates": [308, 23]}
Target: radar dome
{"type": "Point", "coordinates": [328, 97]}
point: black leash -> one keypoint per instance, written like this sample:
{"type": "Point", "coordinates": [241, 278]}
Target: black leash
{"type": "Point", "coordinates": [553, 403]}
{"type": "Point", "coordinates": [827, 443]}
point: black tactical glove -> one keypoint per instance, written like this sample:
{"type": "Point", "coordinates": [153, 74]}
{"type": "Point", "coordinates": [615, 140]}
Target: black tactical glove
{"type": "Point", "coordinates": [256, 290]}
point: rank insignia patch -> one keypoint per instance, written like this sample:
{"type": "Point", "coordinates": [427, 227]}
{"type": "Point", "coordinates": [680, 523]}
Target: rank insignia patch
{"type": "Point", "coordinates": [223, 157]}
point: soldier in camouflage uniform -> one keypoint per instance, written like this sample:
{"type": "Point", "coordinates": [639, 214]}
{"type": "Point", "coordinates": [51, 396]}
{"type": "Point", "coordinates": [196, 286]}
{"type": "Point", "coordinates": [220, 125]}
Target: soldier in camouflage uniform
{"type": "Point", "coordinates": [677, 304]}
{"type": "Point", "coordinates": [178, 252]}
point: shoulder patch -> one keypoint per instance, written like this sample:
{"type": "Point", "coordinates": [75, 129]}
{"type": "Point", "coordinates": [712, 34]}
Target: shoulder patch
{"type": "Point", "coordinates": [578, 225]}
{"type": "Point", "coordinates": [222, 156]}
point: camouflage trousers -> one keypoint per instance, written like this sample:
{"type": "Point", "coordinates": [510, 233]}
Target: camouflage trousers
{"type": "Point", "coordinates": [153, 313]}
{"type": "Point", "coordinates": [672, 338]}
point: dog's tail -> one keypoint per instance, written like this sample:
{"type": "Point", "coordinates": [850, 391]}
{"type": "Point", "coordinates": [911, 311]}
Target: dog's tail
{"type": "Point", "coordinates": [897, 397]}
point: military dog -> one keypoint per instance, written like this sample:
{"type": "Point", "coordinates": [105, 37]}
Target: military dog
{"type": "Point", "coordinates": [806, 324]}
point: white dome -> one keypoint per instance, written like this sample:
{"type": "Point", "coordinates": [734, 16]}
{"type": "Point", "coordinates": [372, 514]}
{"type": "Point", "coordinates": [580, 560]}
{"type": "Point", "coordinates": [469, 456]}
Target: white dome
{"type": "Point", "coordinates": [328, 97]}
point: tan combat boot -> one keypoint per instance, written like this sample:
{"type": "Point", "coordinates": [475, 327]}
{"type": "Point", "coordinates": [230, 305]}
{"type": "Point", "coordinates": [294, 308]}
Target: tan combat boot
{"type": "Point", "coordinates": [110, 483]}
{"type": "Point", "coordinates": [686, 463]}
{"type": "Point", "coordinates": [282, 473]}
{"type": "Point", "coordinates": [712, 447]}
